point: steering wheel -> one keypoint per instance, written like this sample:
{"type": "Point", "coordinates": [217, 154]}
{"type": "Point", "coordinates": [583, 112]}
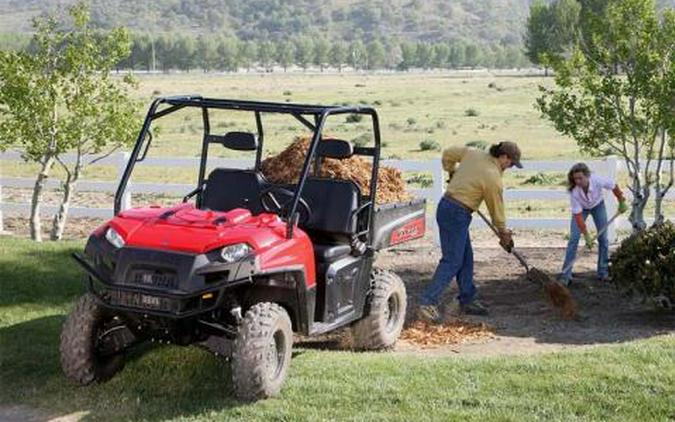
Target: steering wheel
{"type": "Point", "coordinates": [277, 207]}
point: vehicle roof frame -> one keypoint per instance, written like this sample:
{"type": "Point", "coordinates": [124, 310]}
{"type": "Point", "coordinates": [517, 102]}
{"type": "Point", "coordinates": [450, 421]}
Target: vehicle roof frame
{"type": "Point", "coordinates": [301, 112]}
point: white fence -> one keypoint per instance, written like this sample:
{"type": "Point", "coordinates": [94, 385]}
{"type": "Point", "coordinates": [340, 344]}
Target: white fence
{"type": "Point", "coordinates": [610, 167]}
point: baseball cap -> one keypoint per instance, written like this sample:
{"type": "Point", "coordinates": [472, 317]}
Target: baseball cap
{"type": "Point", "coordinates": [511, 150]}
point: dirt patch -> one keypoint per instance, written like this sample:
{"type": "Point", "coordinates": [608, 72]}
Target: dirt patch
{"type": "Point", "coordinates": [76, 228]}
{"type": "Point", "coordinates": [87, 198]}
{"type": "Point", "coordinates": [523, 320]}
{"type": "Point", "coordinates": [286, 166]}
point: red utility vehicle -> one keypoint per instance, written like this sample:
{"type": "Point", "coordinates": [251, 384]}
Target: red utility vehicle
{"type": "Point", "coordinates": [245, 265]}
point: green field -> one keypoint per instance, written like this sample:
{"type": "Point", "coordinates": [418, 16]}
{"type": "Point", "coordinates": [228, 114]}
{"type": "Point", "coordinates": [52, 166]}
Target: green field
{"type": "Point", "coordinates": [413, 107]}
{"type": "Point", "coordinates": [631, 381]}
{"type": "Point", "coordinates": [437, 103]}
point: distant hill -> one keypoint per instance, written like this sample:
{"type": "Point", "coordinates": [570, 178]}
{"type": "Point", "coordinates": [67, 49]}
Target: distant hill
{"type": "Point", "coordinates": [364, 34]}
{"type": "Point", "coordinates": [481, 21]}
{"type": "Point", "coordinates": [489, 21]}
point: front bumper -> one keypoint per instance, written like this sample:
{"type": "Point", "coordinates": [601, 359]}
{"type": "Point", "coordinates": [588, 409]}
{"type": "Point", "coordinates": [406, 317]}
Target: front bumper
{"type": "Point", "coordinates": [161, 283]}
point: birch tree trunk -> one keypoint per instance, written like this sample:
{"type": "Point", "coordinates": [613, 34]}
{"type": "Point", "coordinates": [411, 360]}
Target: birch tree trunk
{"type": "Point", "coordinates": [59, 222]}
{"type": "Point", "coordinates": [640, 193]}
{"type": "Point", "coordinates": [36, 200]}
{"type": "Point", "coordinates": [661, 189]}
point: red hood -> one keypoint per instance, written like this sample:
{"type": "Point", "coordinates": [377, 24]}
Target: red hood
{"type": "Point", "coordinates": [187, 229]}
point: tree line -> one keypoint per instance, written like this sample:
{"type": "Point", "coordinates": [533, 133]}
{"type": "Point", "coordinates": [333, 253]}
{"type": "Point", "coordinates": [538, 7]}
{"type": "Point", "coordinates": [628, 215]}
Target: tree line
{"type": "Point", "coordinates": [226, 53]}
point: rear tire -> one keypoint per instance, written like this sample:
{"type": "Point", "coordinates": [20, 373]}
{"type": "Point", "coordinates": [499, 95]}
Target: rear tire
{"type": "Point", "coordinates": [261, 352]}
{"type": "Point", "coordinates": [380, 327]}
{"type": "Point", "coordinates": [80, 359]}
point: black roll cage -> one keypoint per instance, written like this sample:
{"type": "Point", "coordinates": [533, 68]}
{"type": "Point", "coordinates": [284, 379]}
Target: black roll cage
{"type": "Point", "coordinates": [313, 117]}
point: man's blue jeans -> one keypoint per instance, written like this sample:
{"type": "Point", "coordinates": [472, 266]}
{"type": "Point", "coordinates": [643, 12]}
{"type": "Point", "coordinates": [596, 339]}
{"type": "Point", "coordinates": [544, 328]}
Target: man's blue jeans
{"type": "Point", "coordinates": [453, 225]}
{"type": "Point", "coordinates": [599, 214]}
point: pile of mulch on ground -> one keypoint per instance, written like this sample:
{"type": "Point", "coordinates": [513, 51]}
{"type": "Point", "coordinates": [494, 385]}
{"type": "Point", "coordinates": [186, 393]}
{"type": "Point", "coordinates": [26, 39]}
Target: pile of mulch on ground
{"type": "Point", "coordinates": [286, 166]}
{"type": "Point", "coordinates": [426, 334]}
{"type": "Point", "coordinates": [557, 294]}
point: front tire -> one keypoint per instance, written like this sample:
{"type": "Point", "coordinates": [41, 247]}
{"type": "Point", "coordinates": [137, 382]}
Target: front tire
{"type": "Point", "coordinates": [380, 327]}
{"type": "Point", "coordinates": [261, 352]}
{"type": "Point", "coordinates": [81, 359]}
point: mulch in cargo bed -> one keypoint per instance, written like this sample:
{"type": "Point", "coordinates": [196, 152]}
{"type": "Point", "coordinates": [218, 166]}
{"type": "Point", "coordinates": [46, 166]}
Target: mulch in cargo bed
{"type": "Point", "coordinates": [426, 335]}
{"type": "Point", "coordinates": [285, 168]}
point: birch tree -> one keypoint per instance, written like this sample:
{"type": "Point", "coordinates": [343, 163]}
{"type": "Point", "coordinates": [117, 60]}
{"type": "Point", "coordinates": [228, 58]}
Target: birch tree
{"type": "Point", "coordinates": [59, 97]}
{"type": "Point", "coordinates": [616, 95]}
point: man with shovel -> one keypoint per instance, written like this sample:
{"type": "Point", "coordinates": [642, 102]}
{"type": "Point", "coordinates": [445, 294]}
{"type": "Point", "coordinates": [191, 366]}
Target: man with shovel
{"type": "Point", "coordinates": [475, 176]}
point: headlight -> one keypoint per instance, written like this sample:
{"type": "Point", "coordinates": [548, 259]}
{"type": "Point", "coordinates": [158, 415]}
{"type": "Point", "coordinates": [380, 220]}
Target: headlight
{"type": "Point", "coordinates": [114, 238]}
{"type": "Point", "coordinates": [234, 253]}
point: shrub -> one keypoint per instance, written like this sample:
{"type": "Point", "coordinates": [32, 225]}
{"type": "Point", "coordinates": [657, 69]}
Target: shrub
{"type": "Point", "coordinates": [471, 112]}
{"type": "Point", "coordinates": [362, 140]}
{"type": "Point", "coordinates": [478, 144]}
{"type": "Point", "coordinates": [541, 179]}
{"type": "Point", "coordinates": [288, 93]}
{"type": "Point", "coordinates": [644, 263]}
{"type": "Point", "coordinates": [411, 121]}
{"type": "Point", "coordinates": [353, 118]}
{"type": "Point", "coordinates": [430, 145]}
{"type": "Point", "coordinates": [422, 179]}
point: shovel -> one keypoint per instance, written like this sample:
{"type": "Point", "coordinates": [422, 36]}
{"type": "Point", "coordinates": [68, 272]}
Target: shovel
{"type": "Point", "coordinates": [598, 234]}
{"type": "Point", "coordinates": [557, 294]}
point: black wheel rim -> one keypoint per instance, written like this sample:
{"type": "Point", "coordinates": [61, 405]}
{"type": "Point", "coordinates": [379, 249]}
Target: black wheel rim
{"type": "Point", "coordinates": [105, 330]}
{"type": "Point", "coordinates": [275, 355]}
{"type": "Point", "coordinates": [392, 312]}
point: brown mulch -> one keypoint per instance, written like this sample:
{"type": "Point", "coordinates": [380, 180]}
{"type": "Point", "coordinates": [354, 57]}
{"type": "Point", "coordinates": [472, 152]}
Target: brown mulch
{"type": "Point", "coordinates": [425, 334]}
{"type": "Point", "coordinates": [557, 294]}
{"type": "Point", "coordinates": [286, 166]}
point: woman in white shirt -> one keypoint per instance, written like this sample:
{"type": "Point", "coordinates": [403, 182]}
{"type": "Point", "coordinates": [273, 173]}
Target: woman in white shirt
{"type": "Point", "coordinates": [586, 197]}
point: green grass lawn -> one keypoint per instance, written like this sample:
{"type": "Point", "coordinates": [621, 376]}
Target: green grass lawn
{"type": "Point", "coordinates": [38, 282]}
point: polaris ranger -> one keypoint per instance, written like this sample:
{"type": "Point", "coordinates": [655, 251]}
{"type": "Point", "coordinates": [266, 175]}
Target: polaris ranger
{"type": "Point", "coordinates": [242, 261]}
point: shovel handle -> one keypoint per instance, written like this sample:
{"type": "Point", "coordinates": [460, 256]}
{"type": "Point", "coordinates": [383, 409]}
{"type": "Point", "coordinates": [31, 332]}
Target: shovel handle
{"type": "Point", "coordinates": [609, 223]}
{"type": "Point", "coordinates": [488, 222]}
{"type": "Point", "coordinates": [521, 259]}
{"type": "Point", "coordinates": [515, 253]}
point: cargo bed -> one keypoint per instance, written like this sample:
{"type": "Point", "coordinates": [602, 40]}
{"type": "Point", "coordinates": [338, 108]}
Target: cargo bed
{"type": "Point", "coordinates": [399, 222]}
